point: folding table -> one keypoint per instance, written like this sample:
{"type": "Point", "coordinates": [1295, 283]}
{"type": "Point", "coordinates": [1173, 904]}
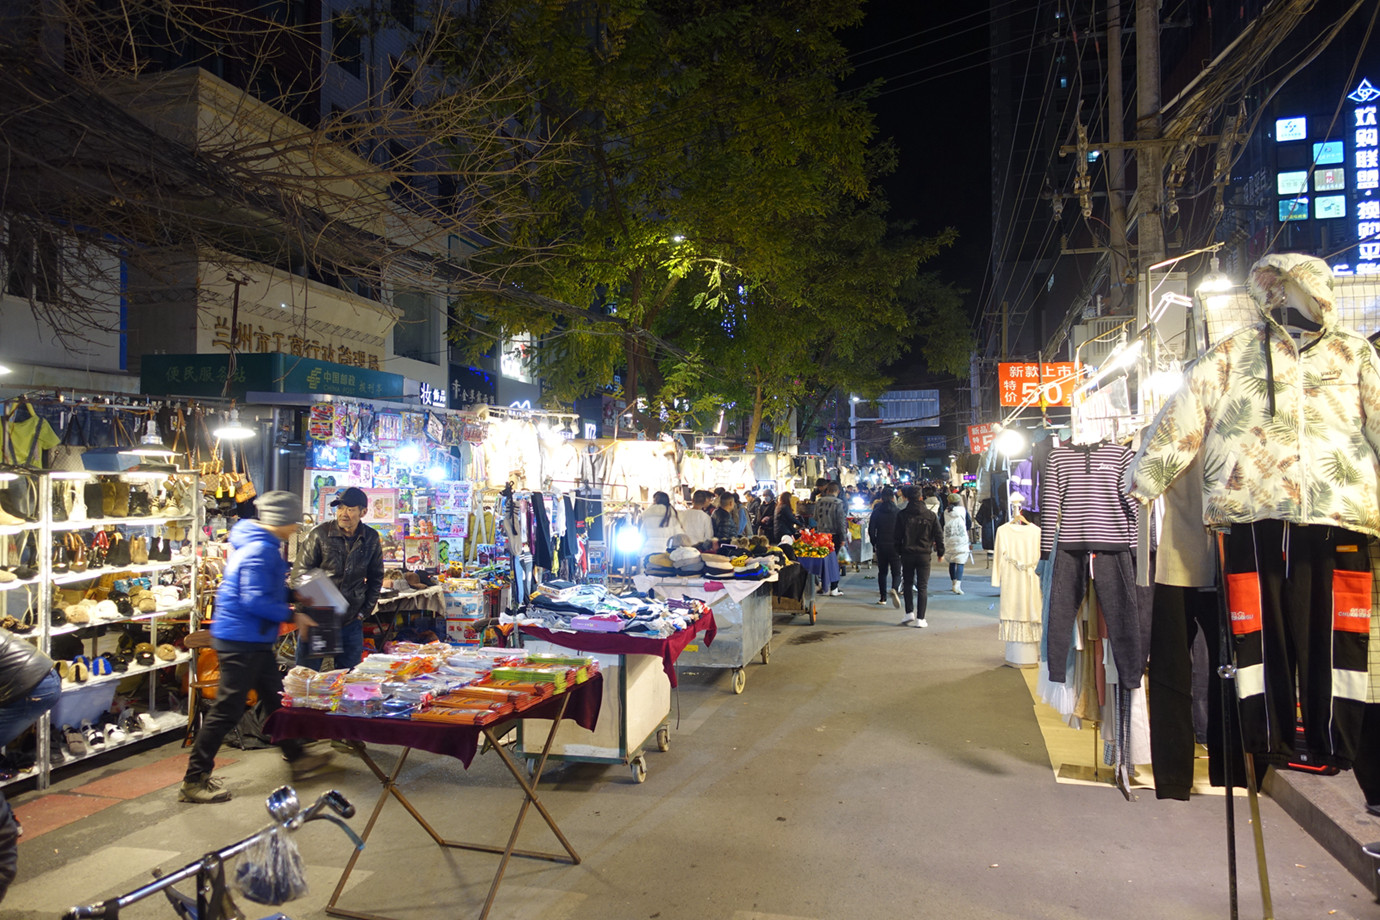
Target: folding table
{"type": "Point", "coordinates": [580, 704]}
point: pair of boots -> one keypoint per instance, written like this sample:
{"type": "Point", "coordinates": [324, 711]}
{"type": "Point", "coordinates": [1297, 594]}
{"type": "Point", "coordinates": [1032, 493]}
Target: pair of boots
{"type": "Point", "coordinates": [957, 586]}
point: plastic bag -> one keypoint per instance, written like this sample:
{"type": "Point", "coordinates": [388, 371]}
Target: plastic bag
{"type": "Point", "coordinates": [271, 870]}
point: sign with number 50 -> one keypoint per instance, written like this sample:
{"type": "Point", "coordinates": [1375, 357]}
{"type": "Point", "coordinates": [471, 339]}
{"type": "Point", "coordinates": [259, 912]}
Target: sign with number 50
{"type": "Point", "coordinates": [1033, 384]}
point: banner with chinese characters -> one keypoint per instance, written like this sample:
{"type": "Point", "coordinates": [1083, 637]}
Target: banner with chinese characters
{"type": "Point", "coordinates": [980, 437]}
{"type": "Point", "coordinates": [1035, 385]}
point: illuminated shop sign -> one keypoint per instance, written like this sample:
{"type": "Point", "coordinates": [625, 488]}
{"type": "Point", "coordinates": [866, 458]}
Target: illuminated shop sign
{"type": "Point", "coordinates": [1364, 206]}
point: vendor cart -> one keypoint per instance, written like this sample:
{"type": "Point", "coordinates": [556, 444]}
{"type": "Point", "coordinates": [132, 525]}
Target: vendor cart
{"type": "Point", "coordinates": [784, 603]}
{"type": "Point", "coordinates": [742, 612]}
{"type": "Point", "coordinates": [639, 673]}
{"type": "Point", "coordinates": [636, 704]}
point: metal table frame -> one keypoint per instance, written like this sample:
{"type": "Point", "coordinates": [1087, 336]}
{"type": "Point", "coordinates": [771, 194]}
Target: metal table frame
{"type": "Point", "coordinates": [491, 734]}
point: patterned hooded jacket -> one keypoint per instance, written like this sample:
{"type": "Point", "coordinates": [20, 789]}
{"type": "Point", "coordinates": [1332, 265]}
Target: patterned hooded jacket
{"type": "Point", "coordinates": [1286, 431]}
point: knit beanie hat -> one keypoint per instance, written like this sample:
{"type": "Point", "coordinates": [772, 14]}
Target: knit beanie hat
{"type": "Point", "coordinates": [278, 508]}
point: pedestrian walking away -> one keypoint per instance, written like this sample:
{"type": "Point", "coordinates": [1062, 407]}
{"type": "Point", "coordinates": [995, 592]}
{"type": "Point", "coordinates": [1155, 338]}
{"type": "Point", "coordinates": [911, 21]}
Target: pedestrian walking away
{"type": "Point", "coordinates": [956, 548]}
{"type": "Point", "coordinates": [918, 538]}
{"type": "Point", "coordinates": [881, 533]}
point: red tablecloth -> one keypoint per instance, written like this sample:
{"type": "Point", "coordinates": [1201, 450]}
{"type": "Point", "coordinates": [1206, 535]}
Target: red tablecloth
{"type": "Point", "coordinates": [458, 741]}
{"type": "Point", "coordinates": [668, 649]}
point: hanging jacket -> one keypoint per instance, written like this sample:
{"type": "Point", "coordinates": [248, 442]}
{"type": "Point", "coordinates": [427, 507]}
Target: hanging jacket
{"type": "Point", "coordinates": [917, 531]}
{"type": "Point", "coordinates": [356, 565]}
{"type": "Point", "coordinates": [252, 599]}
{"type": "Point", "coordinates": [1285, 432]}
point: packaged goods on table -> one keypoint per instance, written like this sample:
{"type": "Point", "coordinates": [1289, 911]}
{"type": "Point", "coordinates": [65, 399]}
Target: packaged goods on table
{"type": "Point", "coordinates": [437, 682]}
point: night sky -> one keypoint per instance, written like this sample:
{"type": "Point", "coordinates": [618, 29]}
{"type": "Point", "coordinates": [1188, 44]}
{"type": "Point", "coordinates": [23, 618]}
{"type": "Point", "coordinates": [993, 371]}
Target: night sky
{"type": "Point", "coordinates": [934, 105]}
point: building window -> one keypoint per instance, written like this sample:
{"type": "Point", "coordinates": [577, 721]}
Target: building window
{"type": "Point", "coordinates": [404, 11]}
{"type": "Point", "coordinates": [345, 44]}
{"type": "Point", "coordinates": [417, 332]}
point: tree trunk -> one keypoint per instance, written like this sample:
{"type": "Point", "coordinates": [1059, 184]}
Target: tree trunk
{"type": "Point", "coordinates": [756, 424]}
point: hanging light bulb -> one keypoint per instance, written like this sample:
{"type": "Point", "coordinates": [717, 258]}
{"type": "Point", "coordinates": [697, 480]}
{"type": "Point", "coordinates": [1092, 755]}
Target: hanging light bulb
{"type": "Point", "coordinates": [409, 454]}
{"type": "Point", "coordinates": [151, 445]}
{"type": "Point", "coordinates": [4, 370]}
{"type": "Point", "coordinates": [233, 429]}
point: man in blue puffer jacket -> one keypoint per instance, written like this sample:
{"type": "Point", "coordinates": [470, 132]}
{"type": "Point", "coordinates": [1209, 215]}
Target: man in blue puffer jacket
{"type": "Point", "coordinates": [251, 604]}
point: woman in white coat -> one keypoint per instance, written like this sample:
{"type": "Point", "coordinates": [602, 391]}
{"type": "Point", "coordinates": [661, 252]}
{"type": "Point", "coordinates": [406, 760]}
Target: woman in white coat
{"type": "Point", "coordinates": [659, 524]}
{"type": "Point", "coordinates": [956, 525]}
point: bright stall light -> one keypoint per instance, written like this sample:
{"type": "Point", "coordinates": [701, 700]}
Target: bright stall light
{"type": "Point", "coordinates": [1010, 442]}
{"type": "Point", "coordinates": [437, 474]}
{"type": "Point", "coordinates": [1164, 383]}
{"type": "Point", "coordinates": [628, 539]}
{"type": "Point", "coordinates": [409, 454]}
{"type": "Point", "coordinates": [233, 429]}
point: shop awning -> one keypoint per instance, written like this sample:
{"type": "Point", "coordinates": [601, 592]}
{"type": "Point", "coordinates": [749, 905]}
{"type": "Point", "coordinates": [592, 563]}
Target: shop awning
{"type": "Point", "coordinates": [204, 375]}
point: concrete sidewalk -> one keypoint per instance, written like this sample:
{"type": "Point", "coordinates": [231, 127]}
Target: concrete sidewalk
{"type": "Point", "coordinates": [867, 771]}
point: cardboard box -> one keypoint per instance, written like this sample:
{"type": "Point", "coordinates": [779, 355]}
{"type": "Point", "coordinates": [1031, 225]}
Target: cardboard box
{"type": "Point", "coordinates": [463, 630]}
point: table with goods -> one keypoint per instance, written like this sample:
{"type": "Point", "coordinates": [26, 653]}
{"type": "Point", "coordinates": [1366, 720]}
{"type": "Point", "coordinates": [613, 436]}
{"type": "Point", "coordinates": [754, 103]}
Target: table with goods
{"type": "Point", "coordinates": [636, 641]}
{"type": "Point", "coordinates": [445, 700]}
{"type": "Point", "coordinates": [739, 591]}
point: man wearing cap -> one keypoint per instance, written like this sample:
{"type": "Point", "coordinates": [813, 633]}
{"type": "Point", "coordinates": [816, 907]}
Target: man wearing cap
{"type": "Point", "coordinates": [251, 603]}
{"type": "Point", "coordinates": [353, 553]}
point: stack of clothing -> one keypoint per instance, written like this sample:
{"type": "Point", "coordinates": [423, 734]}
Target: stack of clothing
{"type": "Point", "coordinates": [565, 607]}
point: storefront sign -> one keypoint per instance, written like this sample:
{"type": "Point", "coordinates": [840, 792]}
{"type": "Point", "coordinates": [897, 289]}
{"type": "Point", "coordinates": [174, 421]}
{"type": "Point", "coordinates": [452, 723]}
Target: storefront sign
{"type": "Point", "coordinates": [429, 395]}
{"type": "Point", "coordinates": [469, 386]}
{"type": "Point", "coordinates": [1030, 383]}
{"type": "Point", "coordinates": [513, 359]}
{"type": "Point", "coordinates": [204, 375]}
{"type": "Point", "coordinates": [256, 338]}
{"type": "Point", "coordinates": [980, 437]}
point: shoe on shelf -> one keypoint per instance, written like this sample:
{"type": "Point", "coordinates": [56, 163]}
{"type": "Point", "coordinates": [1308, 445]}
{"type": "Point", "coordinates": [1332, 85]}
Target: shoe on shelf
{"type": "Point", "coordinates": [348, 747]}
{"type": "Point", "coordinates": [114, 734]}
{"type": "Point", "coordinates": [94, 738]}
{"type": "Point", "coordinates": [147, 722]}
{"type": "Point", "coordinates": [895, 598]}
{"type": "Point", "coordinates": [308, 764]}
{"type": "Point", "coordinates": [203, 790]}
{"type": "Point", "coordinates": [923, 623]}
{"type": "Point", "coordinates": [836, 593]}
{"type": "Point", "coordinates": [76, 744]}
{"type": "Point", "coordinates": [908, 621]}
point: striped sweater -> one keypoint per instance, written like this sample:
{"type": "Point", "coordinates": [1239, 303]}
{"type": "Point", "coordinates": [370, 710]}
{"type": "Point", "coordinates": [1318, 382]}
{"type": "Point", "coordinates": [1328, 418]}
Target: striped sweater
{"type": "Point", "coordinates": [1082, 502]}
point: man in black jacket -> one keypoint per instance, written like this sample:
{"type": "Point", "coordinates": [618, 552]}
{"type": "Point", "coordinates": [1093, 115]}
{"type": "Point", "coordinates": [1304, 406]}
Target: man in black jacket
{"type": "Point", "coordinates": [881, 533]}
{"type": "Point", "coordinates": [353, 553]}
{"type": "Point", "coordinates": [918, 536]}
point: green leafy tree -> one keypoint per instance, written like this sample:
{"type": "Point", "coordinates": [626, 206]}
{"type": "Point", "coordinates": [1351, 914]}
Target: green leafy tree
{"type": "Point", "coordinates": [706, 144]}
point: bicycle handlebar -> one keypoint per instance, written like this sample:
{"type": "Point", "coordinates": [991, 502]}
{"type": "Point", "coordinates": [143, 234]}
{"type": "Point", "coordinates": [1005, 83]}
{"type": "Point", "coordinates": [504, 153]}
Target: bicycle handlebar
{"type": "Point", "coordinates": [290, 819]}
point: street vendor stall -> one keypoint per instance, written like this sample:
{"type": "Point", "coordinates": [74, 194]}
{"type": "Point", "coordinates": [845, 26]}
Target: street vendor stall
{"type": "Point", "coordinates": [794, 593]}
{"type": "Point", "coordinates": [637, 697]}
{"type": "Point", "coordinates": [580, 703]}
{"type": "Point", "coordinates": [742, 612]}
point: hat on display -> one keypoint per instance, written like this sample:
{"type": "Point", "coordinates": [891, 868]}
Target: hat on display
{"type": "Point", "coordinates": [660, 564]}
{"type": "Point", "coordinates": [278, 509]}
{"type": "Point", "coordinates": [351, 498]}
{"type": "Point", "coordinates": [687, 559]}
{"type": "Point", "coordinates": [143, 653]}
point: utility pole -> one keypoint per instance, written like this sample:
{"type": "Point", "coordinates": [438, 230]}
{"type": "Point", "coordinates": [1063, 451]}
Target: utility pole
{"type": "Point", "coordinates": [1149, 179]}
{"type": "Point", "coordinates": [1116, 162]}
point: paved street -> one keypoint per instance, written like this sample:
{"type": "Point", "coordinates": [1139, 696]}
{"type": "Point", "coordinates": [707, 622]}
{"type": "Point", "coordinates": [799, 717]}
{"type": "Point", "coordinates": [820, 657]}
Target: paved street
{"type": "Point", "coordinates": [867, 771]}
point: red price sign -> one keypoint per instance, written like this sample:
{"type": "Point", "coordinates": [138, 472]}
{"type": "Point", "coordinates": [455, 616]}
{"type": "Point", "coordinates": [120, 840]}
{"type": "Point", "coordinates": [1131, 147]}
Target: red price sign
{"type": "Point", "coordinates": [980, 437]}
{"type": "Point", "coordinates": [1029, 383]}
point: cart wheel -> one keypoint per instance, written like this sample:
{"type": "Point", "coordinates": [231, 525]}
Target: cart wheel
{"type": "Point", "coordinates": [766, 653]}
{"type": "Point", "coordinates": [739, 680]}
{"type": "Point", "coordinates": [639, 769]}
{"type": "Point", "coordinates": [663, 739]}
{"type": "Point", "coordinates": [814, 614]}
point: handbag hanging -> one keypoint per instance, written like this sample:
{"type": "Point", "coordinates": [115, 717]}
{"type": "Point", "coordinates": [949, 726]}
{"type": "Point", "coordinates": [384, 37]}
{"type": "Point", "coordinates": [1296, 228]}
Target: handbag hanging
{"type": "Point", "coordinates": [244, 486]}
{"type": "Point", "coordinates": [67, 455]}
